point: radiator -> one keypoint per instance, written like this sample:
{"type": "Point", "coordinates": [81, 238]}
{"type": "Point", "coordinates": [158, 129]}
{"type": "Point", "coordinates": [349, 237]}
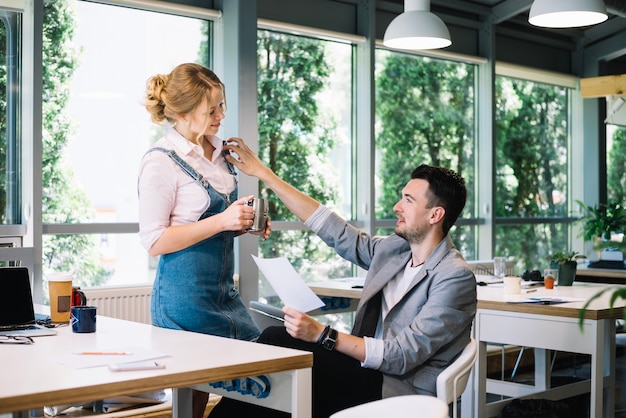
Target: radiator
{"type": "Point", "coordinates": [131, 303]}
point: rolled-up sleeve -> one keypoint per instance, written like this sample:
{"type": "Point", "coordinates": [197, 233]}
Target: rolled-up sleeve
{"type": "Point", "coordinates": [157, 195]}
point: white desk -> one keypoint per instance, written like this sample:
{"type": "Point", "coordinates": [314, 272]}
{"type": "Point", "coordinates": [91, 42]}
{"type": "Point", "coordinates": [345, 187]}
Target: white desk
{"type": "Point", "coordinates": [545, 327]}
{"type": "Point", "coordinates": [31, 379]}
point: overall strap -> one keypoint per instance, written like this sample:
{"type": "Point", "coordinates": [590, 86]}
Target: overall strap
{"type": "Point", "coordinates": [186, 167]}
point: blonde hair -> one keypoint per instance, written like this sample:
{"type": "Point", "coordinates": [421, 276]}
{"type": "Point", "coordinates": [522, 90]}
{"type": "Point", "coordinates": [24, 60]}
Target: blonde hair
{"type": "Point", "coordinates": [179, 92]}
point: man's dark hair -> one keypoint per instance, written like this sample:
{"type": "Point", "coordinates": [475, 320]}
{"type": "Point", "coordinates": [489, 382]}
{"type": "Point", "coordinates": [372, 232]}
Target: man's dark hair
{"type": "Point", "coordinates": [447, 189]}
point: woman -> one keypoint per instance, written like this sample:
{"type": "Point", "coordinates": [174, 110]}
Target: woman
{"type": "Point", "coordinates": [188, 212]}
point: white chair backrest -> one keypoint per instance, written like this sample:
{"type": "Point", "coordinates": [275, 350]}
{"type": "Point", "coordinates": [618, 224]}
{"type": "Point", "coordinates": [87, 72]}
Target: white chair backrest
{"type": "Point", "coordinates": [452, 381]}
{"type": "Point", "coordinates": [485, 267]}
{"type": "Point", "coordinates": [408, 406]}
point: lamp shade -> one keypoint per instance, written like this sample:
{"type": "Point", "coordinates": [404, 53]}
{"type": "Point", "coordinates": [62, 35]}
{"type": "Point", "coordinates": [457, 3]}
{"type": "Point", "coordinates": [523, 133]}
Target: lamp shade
{"type": "Point", "coordinates": [567, 13]}
{"type": "Point", "coordinates": [417, 28]}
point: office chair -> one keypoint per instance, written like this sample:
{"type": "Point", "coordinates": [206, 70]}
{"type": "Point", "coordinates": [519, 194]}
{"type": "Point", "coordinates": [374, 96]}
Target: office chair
{"type": "Point", "coordinates": [407, 406]}
{"type": "Point", "coordinates": [452, 381]}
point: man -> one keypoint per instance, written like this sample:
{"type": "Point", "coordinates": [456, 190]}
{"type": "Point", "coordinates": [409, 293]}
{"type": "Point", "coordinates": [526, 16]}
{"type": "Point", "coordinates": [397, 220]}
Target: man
{"type": "Point", "coordinates": [418, 302]}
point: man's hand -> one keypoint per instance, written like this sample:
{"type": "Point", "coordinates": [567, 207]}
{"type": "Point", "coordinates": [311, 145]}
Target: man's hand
{"type": "Point", "coordinates": [302, 326]}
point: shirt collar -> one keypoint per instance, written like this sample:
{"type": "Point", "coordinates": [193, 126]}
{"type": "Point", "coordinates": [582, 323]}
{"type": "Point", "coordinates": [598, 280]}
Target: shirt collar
{"type": "Point", "coordinates": [186, 147]}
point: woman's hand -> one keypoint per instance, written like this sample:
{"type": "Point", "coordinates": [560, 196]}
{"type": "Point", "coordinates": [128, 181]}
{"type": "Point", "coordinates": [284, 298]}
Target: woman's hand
{"type": "Point", "coordinates": [302, 326]}
{"type": "Point", "coordinates": [238, 216]}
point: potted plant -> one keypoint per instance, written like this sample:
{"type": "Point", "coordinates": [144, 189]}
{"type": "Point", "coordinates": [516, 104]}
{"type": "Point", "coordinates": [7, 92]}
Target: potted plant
{"type": "Point", "coordinates": [599, 221]}
{"type": "Point", "coordinates": [566, 262]}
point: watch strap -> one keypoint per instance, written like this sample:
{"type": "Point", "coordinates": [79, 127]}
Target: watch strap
{"type": "Point", "coordinates": [330, 340]}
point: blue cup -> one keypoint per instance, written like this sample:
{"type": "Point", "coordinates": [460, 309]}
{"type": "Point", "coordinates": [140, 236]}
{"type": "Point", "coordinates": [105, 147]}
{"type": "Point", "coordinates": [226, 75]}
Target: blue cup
{"type": "Point", "coordinates": [83, 319]}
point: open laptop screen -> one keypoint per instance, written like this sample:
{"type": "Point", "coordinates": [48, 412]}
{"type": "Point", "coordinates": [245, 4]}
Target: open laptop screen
{"type": "Point", "coordinates": [16, 300]}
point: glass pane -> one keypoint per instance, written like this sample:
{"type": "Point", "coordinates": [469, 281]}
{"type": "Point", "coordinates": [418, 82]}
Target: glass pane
{"type": "Point", "coordinates": [616, 163]}
{"type": "Point", "coordinates": [305, 115]}
{"type": "Point", "coordinates": [310, 256]}
{"type": "Point", "coordinates": [96, 128]}
{"type": "Point", "coordinates": [10, 118]}
{"type": "Point", "coordinates": [532, 147]}
{"type": "Point", "coordinates": [424, 115]}
{"type": "Point", "coordinates": [108, 259]}
{"type": "Point", "coordinates": [530, 244]}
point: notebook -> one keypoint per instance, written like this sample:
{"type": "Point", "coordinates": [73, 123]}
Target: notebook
{"type": "Point", "coordinates": [17, 313]}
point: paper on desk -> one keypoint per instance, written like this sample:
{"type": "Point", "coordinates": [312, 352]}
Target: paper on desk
{"type": "Point", "coordinates": [545, 300]}
{"type": "Point", "coordinates": [83, 361]}
{"type": "Point", "coordinates": [288, 284]}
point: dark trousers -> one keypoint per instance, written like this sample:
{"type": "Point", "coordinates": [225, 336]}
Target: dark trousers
{"type": "Point", "coordinates": [339, 381]}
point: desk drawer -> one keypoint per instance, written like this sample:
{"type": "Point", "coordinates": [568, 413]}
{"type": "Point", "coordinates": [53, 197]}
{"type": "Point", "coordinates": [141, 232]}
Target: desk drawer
{"type": "Point", "coordinates": [540, 331]}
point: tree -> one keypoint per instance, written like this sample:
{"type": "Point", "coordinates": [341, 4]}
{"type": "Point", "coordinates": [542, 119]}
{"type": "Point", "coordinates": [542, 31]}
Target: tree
{"type": "Point", "coordinates": [616, 167]}
{"type": "Point", "coordinates": [425, 114]}
{"type": "Point", "coordinates": [294, 141]}
{"type": "Point", "coordinates": [531, 168]}
{"type": "Point", "coordinates": [63, 201]}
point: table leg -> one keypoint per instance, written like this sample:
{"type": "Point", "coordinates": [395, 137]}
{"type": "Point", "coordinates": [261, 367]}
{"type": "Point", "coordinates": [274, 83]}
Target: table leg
{"type": "Point", "coordinates": [301, 390]}
{"type": "Point", "coordinates": [182, 404]}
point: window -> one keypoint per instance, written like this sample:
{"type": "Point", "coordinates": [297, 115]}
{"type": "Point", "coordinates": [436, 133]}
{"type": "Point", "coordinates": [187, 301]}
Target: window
{"type": "Point", "coordinates": [424, 115]}
{"type": "Point", "coordinates": [96, 130]}
{"type": "Point", "coordinates": [10, 117]}
{"type": "Point", "coordinates": [305, 136]}
{"type": "Point", "coordinates": [533, 199]}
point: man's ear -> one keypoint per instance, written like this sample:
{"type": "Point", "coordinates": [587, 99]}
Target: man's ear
{"type": "Point", "coordinates": [437, 214]}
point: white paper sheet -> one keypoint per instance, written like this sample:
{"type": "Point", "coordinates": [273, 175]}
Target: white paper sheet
{"type": "Point", "coordinates": [82, 361]}
{"type": "Point", "coordinates": [288, 284]}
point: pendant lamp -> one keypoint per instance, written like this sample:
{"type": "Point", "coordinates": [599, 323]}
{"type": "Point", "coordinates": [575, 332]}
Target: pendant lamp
{"type": "Point", "coordinates": [417, 28]}
{"type": "Point", "coordinates": [567, 13]}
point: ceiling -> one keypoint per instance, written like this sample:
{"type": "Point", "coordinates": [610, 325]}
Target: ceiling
{"type": "Point", "coordinates": [512, 16]}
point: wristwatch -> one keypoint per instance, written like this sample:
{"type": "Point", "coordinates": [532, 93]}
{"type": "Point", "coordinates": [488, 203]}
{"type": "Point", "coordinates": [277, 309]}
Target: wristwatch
{"type": "Point", "coordinates": [330, 339]}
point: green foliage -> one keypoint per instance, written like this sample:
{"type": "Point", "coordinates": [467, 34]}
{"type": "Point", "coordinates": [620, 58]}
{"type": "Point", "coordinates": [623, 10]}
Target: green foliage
{"type": "Point", "coordinates": [63, 201]}
{"type": "Point", "coordinates": [563, 257]}
{"type": "Point", "coordinates": [531, 168]}
{"type": "Point", "coordinates": [425, 111]}
{"type": "Point", "coordinates": [294, 141]}
{"type": "Point", "coordinates": [617, 292]}
{"type": "Point", "coordinates": [602, 219]}
{"type": "Point", "coordinates": [616, 166]}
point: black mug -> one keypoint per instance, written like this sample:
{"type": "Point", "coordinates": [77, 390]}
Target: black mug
{"type": "Point", "coordinates": [83, 319]}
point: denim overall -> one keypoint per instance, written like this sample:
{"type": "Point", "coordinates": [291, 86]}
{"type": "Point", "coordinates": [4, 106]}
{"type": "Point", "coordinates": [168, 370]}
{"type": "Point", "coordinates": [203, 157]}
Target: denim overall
{"type": "Point", "coordinates": [193, 289]}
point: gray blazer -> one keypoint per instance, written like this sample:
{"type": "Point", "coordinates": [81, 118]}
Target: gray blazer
{"type": "Point", "coordinates": [430, 325]}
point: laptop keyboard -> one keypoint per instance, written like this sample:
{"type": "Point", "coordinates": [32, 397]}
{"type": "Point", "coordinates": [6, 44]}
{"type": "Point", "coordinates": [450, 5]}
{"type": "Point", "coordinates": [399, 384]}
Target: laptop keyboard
{"type": "Point", "coordinates": [17, 327]}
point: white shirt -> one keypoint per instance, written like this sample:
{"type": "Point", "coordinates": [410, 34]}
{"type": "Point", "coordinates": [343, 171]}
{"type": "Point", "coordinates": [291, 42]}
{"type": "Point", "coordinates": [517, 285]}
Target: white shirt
{"type": "Point", "coordinates": [168, 195]}
{"type": "Point", "coordinates": [393, 292]}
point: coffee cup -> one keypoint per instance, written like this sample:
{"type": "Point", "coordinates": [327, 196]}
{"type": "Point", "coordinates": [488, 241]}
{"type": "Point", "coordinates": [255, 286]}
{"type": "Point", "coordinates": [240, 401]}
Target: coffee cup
{"type": "Point", "coordinates": [83, 319]}
{"type": "Point", "coordinates": [60, 290]}
{"type": "Point", "coordinates": [260, 214]}
{"type": "Point", "coordinates": [512, 285]}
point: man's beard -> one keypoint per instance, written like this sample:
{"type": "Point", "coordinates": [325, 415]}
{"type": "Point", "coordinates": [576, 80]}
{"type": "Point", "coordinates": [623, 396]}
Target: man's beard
{"type": "Point", "coordinates": [414, 236]}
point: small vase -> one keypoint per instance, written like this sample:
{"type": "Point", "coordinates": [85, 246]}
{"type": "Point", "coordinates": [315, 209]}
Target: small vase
{"type": "Point", "coordinates": [567, 273]}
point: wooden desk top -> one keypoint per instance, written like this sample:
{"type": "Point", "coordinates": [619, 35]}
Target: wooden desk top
{"type": "Point", "coordinates": [32, 378]}
{"type": "Point", "coordinates": [342, 288]}
{"type": "Point", "coordinates": [492, 297]}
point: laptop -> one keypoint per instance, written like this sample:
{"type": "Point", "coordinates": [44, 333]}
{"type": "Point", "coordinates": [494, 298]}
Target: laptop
{"type": "Point", "coordinates": [17, 313]}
